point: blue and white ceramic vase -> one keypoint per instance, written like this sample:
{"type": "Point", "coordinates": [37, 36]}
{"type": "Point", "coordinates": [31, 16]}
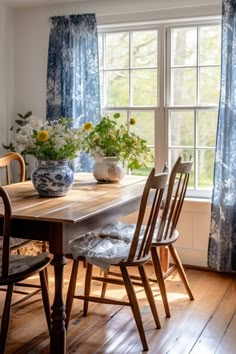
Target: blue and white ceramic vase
{"type": "Point", "coordinates": [52, 178]}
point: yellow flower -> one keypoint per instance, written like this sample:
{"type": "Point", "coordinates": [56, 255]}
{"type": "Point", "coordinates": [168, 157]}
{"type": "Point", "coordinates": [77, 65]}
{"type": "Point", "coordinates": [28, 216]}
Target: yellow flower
{"type": "Point", "coordinates": [42, 136]}
{"type": "Point", "coordinates": [132, 121]}
{"type": "Point", "coordinates": [88, 126]}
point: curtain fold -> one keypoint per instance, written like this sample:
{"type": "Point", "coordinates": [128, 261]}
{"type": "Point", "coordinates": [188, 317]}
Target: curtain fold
{"type": "Point", "coordinates": [222, 241]}
{"type": "Point", "coordinates": [73, 73]}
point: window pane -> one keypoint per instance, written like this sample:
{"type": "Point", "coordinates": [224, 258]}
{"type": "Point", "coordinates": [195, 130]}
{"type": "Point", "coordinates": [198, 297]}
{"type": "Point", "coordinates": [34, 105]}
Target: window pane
{"type": "Point", "coordinates": [206, 128]}
{"type": "Point", "coordinates": [145, 87]}
{"type": "Point", "coordinates": [205, 168]}
{"type": "Point", "coordinates": [210, 45]}
{"type": "Point", "coordinates": [145, 49]}
{"type": "Point", "coordinates": [101, 87]}
{"type": "Point", "coordinates": [117, 88]}
{"type": "Point", "coordinates": [184, 46]}
{"type": "Point", "coordinates": [184, 86]}
{"type": "Point", "coordinates": [117, 50]}
{"type": "Point", "coordinates": [100, 51]}
{"type": "Point", "coordinates": [182, 128]}
{"type": "Point", "coordinates": [209, 85]}
{"type": "Point", "coordinates": [185, 155]}
{"type": "Point", "coordinates": [121, 120]}
{"type": "Point", "coordinates": [145, 125]}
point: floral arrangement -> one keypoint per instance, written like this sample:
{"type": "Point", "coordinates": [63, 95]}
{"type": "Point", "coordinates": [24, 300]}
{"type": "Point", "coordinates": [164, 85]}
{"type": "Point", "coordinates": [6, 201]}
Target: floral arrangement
{"type": "Point", "coordinates": [55, 140]}
{"type": "Point", "coordinates": [110, 138]}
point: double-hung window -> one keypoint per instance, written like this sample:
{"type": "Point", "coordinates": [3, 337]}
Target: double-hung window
{"type": "Point", "coordinates": [167, 76]}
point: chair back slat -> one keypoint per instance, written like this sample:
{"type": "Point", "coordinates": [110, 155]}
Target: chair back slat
{"type": "Point", "coordinates": [142, 240]}
{"type": "Point", "coordinates": [177, 187]}
{"type": "Point", "coordinates": [5, 163]}
{"type": "Point", "coordinates": [6, 231]}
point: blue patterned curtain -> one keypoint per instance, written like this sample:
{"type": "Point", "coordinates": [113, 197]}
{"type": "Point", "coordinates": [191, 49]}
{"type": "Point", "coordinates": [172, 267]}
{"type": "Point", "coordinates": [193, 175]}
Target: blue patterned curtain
{"type": "Point", "coordinates": [222, 242]}
{"type": "Point", "coordinates": [73, 73]}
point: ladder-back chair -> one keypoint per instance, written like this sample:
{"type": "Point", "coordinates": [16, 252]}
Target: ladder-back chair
{"type": "Point", "coordinates": [15, 268]}
{"type": "Point", "coordinates": [135, 254]}
{"type": "Point", "coordinates": [17, 244]}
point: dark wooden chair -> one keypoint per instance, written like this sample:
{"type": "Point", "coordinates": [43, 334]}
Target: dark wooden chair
{"type": "Point", "coordinates": [137, 256]}
{"type": "Point", "coordinates": [17, 244]}
{"type": "Point", "coordinates": [167, 232]}
{"type": "Point", "coordinates": [15, 268]}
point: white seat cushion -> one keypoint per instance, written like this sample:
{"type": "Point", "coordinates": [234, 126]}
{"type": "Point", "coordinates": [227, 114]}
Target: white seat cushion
{"type": "Point", "coordinates": [105, 246]}
{"type": "Point", "coordinates": [19, 263]}
{"type": "Point", "coordinates": [99, 250]}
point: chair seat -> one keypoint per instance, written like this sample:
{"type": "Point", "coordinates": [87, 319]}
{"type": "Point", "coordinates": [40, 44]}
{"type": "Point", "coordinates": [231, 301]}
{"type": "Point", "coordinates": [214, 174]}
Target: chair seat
{"type": "Point", "coordinates": [100, 251]}
{"type": "Point", "coordinates": [106, 246]}
{"type": "Point", "coordinates": [15, 242]}
{"type": "Point", "coordinates": [19, 264]}
{"type": "Point", "coordinates": [166, 242]}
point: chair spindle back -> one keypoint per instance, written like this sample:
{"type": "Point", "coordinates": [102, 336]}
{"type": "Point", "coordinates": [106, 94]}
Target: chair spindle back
{"type": "Point", "coordinates": [157, 183]}
{"type": "Point", "coordinates": [177, 186]}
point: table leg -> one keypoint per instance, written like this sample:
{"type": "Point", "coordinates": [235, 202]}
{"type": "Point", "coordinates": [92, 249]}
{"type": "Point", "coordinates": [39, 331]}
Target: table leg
{"type": "Point", "coordinates": [58, 331]}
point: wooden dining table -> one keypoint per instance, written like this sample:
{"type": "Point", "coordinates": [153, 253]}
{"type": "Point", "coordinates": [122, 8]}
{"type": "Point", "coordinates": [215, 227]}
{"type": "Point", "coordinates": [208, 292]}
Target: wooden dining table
{"type": "Point", "coordinates": [60, 220]}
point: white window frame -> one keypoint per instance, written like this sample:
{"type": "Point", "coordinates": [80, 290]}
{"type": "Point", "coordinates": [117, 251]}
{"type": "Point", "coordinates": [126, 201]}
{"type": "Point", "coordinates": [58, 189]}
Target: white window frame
{"type": "Point", "coordinates": [163, 60]}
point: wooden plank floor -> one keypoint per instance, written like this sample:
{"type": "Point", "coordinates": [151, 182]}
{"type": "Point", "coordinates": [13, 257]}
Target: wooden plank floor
{"type": "Point", "coordinates": [206, 325]}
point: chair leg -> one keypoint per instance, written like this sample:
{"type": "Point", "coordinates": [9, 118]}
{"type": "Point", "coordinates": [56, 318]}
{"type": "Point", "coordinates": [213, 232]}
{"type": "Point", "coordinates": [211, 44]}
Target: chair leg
{"type": "Point", "coordinates": [134, 306]}
{"type": "Point", "coordinates": [45, 297]}
{"type": "Point", "coordinates": [180, 270]}
{"type": "Point", "coordinates": [149, 295]}
{"type": "Point", "coordinates": [164, 258]}
{"type": "Point", "coordinates": [87, 287]}
{"type": "Point", "coordinates": [160, 279]}
{"type": "Point", "coordinates": [6, 318]}
{"type": "Point", "coordinates": [71, 290]}
{"type": "Point", "coordinates": [46, 275]}
{"type": "Point", "coordinates": [104, 285]}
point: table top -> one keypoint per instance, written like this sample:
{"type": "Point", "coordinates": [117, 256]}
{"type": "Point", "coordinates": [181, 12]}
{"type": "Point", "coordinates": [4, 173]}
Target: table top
{"type": "Point", "coordinates": [86, 198]}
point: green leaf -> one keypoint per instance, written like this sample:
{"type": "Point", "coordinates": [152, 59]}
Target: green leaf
{"type": "Point", "coordinates": [7, 147]}
{"type": "Point", "coordinates": [27, 115]}
{"type": "Point", "coordinates": [20, 122]}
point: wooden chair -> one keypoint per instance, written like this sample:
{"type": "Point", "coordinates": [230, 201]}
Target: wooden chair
{"type": "Point", "coordinates": [167, 232]}
{"type": "Point", "coordinates": [137, 255]}
{"type": "Point", "coordinates": [17, 244]}
{"type": "Point", "coordinates": [5, 166]}
{"type": "Point", "coordinates": [5, 163]}
{"type": "Point", "coordinates": [15, 268]}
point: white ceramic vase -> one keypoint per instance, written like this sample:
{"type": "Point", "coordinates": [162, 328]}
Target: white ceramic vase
{"type": "Point", "coordinates": [108, 170]}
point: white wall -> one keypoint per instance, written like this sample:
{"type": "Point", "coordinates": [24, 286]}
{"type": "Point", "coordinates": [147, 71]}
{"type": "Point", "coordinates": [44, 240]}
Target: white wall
{"type": "Point", "coordinates": [6, 72]}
